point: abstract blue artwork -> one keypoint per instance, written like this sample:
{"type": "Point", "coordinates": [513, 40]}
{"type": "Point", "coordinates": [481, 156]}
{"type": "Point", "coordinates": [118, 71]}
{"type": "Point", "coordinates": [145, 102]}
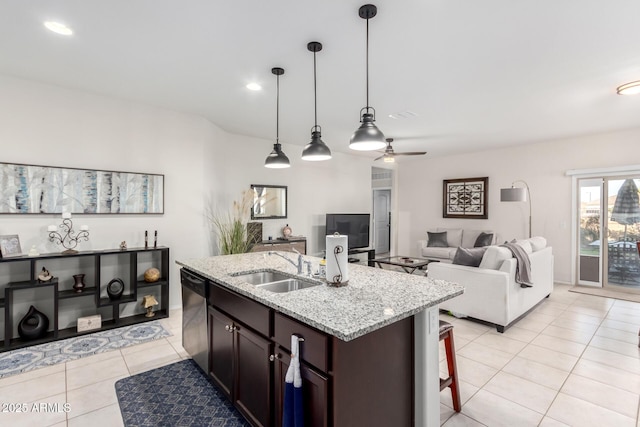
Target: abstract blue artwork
{"type": "Point", "coordinates": [31, 189]}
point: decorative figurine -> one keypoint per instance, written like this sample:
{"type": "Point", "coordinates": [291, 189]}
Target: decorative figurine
{"type": "Point", "coordinates": [148, 301]}
{"type": "Point", "coordinates": [33, 251]}
{"type": "Point", "coordinates": [286, 231]}
{"type": "Point", "coordinates": [123, 245]}
{"type": "Point", "coordinates": [151, 275]}
{"type": "Point", "coordinates": [155, 239]}
{"type": "Point", "coordinates": [146, 239]}
{"type": "Point", "coordinates": [44, 276]}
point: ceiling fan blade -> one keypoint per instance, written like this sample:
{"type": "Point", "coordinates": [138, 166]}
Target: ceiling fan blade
{"type": "Point", "coordinates": [411, 153]}
{"type": "Point", "coordinates": [378, 158]}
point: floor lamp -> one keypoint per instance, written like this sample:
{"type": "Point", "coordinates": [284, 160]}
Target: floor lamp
{"type": "Point", "coordinates": [517, 194]}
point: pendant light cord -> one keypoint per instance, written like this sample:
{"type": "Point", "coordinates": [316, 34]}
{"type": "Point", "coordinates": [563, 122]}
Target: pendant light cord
{"type": "Point", "coordinates": [277, 109]}
{"type": "Point", "coordinates": [367, 65]}
{"type": "Point", "coordinates": [315, 93]}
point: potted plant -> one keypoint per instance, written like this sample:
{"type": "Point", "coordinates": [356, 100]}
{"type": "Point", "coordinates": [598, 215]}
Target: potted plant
{"type": "Point", "coordinates": [231, 226]}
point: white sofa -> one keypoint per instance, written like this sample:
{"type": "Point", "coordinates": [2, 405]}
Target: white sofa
{"type": "Point", "coordinates": [492, 295]}
{"type": "Point", "coordinates": [456, 237]}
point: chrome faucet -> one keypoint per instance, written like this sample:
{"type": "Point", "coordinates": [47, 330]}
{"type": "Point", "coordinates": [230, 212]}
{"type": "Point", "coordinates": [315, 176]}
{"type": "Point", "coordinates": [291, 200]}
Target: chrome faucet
{"type": "Point", "coordinates": [300, 260]}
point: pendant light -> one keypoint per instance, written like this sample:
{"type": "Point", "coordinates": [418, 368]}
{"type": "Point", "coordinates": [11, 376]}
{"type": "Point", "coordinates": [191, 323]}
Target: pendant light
{"type": "Point", "coordinates": [316, 150]}
{"type": "Point", "coordinates": [277, 159]}
{"type": "Point", "coordinates": [367, 137]}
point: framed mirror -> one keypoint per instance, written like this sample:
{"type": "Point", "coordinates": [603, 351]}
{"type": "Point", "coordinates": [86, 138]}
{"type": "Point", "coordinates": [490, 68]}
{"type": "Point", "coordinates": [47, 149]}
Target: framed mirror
{"type": "Point", "coordinates": [269, 201]}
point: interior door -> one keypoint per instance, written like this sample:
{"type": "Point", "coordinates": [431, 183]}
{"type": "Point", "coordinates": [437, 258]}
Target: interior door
{"type": "Point", "coordinates": [382, 220]}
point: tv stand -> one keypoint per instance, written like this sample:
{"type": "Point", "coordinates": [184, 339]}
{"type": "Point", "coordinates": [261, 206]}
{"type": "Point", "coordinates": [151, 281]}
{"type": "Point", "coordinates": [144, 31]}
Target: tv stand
{"type": "Point", "coordinates": [371, 254]}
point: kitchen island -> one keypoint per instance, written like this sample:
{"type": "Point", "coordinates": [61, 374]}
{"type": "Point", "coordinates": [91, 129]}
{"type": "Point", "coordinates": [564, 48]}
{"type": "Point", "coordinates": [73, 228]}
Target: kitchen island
{"type": "Point", "coordinates": [370, 354]}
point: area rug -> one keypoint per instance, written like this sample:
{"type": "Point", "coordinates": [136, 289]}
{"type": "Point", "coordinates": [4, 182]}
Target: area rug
{"type": "Point", "coordinates": [179, 394]}
{"type": "Point", "coordinates": [599, 292]}
{"type": "Point", "coordinates": [42, 355]}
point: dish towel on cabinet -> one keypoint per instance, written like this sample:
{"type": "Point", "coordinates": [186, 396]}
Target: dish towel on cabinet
{"type": "Point", "coordinates": [292, 413]}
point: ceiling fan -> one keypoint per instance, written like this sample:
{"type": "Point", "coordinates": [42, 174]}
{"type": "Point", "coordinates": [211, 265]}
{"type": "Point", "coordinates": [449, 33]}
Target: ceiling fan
{"type": "Point", "coordinates": [389, 154]}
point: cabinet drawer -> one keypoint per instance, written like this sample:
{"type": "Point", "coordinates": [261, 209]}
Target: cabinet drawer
{"type": "Point", "coordinates": [251, 313]}
{"type": "Point", "coordinates": [314, 348]}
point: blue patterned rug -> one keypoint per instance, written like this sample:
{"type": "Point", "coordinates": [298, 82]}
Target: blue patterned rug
{"type": "Point", "coordinates": [179, 394]}
{"type": "Point", "coordinates": [42, 355]}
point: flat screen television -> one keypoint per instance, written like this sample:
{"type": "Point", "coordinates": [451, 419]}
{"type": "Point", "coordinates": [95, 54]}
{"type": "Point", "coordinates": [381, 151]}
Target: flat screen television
{"type": "Point", "coordinates": [356, 226]}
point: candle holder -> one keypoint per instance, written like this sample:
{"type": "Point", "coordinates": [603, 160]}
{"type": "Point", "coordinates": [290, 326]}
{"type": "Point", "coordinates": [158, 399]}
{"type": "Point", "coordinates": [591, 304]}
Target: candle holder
{"type": "Point", "coordinates": [68, 238]}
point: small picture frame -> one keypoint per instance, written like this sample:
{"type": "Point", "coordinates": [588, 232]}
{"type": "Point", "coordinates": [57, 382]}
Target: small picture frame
{"type": "Point", "coordinates": [10, 246]}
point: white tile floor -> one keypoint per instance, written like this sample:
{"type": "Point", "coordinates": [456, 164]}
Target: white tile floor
{"type": "Point", "coordinates": [573, 361]}
{"type": "Point", "coordinates": [87, 384]}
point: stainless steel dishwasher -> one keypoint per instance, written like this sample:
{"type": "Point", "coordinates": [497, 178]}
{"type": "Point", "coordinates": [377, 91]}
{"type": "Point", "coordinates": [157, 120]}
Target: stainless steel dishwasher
{"type": "Point", "coordinates": [195, 339]}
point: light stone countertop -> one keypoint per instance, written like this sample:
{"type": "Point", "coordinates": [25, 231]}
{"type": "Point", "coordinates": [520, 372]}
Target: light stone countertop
{"type": "Point", "coordinates": [372, 299]}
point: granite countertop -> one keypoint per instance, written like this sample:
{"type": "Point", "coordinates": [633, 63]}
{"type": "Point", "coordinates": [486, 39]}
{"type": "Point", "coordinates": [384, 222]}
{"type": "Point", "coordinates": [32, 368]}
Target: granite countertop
{"type": "Point", "coordinates": [373, 298]}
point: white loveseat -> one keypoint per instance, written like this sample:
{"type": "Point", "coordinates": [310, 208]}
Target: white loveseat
{"type": "Point", "coordinates": [456, 237]}
{"type": "Point", "coordinates": [492, 294]}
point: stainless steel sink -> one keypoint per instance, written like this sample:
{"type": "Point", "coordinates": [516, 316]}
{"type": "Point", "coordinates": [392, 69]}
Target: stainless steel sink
{"type": "Point", "coordinates": [275, 281]}
{"type": "Point", "coordinates": [287, 285]}
{"type": "Point", "coordinates": [262, 277]}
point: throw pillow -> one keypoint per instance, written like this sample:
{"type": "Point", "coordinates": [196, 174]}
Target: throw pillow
{"type": "Point", "coordinates": [437, 240]}
{"type": "Point", "coordinates": [494, 256]}
{"type": "Point", "coordinates": [524, 244]}
{"type": "Point", "coordinates": [470, 257]}
{"type": "Point", "coordinates": [538, 243]}
{"type": "Point", "coordinates": [484, 239]}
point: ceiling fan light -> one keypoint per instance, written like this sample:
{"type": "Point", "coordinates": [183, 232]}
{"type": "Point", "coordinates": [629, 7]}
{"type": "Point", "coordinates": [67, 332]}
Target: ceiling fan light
{"type": "Point", "coordinates": [277, 159]}
{"type": "Point", "coordinates": [631, 88]}
{"type": "Point", "coordinates": [367, 137]}
{"type": "Point", "coordinates": [388, 159]}
{"type": "Point", "coordinates": [316, 150]}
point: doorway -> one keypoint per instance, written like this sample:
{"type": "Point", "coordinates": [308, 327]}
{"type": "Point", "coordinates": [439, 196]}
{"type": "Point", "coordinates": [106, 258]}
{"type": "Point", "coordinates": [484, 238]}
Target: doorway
{"type": "Point", "coordinates": [609, 229]}
{"type": "Point", "coordinates": [382, 220]}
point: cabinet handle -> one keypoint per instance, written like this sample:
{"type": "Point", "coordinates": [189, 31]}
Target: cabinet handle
{"type": "Point", "coordinates": [230, 328]}
{"type": "Point", "coordinates": [274, 357]}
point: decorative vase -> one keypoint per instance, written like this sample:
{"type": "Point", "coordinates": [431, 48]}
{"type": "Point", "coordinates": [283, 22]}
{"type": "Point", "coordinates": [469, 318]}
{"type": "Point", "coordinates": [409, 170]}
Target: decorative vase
{"type": "Point", "coordinates": [79, 282]}
{"type": "Point", "coordinates": [33, 325]}
{"type": "Point", "coordinates": [115, 288]}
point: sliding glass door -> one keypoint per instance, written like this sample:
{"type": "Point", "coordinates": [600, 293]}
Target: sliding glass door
{"type": "Point", "coordinates": [609, 227]}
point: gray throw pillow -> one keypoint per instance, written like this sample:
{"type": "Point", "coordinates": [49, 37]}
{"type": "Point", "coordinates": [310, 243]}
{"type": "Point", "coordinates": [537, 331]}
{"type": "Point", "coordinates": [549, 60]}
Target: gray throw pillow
{"type": "Point", "coordinates": [437, 240]}
{"type": "Point", "coordinates": [470, 257]}
{"type": "Point", "coordinates": [484, 239]}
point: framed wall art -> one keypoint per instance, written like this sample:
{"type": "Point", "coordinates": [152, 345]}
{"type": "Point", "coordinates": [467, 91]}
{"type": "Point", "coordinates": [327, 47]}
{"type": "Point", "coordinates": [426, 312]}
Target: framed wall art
{"type": "Point", "coordinates": [32, 189]}
{"type": "Point", "coordinates": [10, 246]}
{"type": "Point", "coordinates": [465, 198]}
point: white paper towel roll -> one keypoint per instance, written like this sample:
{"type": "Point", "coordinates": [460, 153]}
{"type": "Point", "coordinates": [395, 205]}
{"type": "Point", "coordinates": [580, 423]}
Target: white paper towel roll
{"type": "Point", "coordinates": [337, 259]}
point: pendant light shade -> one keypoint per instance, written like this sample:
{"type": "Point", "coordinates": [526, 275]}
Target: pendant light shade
{"type": "Point", "coordinates": [316, 150]}
{"type": "Point", "coordinates": [277, 159]}
{"type": "Point", "coordinates": [367, 137]}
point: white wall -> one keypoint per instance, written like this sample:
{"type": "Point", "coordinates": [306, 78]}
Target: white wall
{"type": "Point", "coordinates": [342, 184]}
{"type": "Point", "coordinates": [48, 125]}
{"type": "Point", "coordinates": [542, 166]}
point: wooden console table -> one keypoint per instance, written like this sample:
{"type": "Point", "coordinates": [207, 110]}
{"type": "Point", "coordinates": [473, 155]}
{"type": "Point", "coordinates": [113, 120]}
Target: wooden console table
{"type": "Point", "coordinates": [287, 245]}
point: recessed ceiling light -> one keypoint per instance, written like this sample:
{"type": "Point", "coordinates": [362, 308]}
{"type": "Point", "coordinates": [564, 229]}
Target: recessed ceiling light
{"type": "Point", "coordinates": [58, 28]}
{"type": "Point", "coordinates": [631, 88]}
{"type": "Point", "coordinates": [254, 86]}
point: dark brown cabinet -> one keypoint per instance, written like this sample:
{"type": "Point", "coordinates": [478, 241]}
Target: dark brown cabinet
{"type": "Point", "coordinates": [240, 362]}
{"type": "Point", "coordinates": [315, 389]}
{"type": "Point", "coordinates": [355, 383]}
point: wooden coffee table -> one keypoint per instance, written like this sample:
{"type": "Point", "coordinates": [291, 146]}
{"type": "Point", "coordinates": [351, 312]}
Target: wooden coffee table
{"type": "Point", "coordinates": [408, 264]}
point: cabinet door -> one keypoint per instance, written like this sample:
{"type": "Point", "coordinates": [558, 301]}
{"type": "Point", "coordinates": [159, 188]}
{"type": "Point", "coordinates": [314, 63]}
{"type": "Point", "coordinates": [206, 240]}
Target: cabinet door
{"type": "Point", "coordinates": [315, 390]}
{"type": "Point", "coordinates": [252, 393]}
{"type": "Point", "coordinates": [221, 351]}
